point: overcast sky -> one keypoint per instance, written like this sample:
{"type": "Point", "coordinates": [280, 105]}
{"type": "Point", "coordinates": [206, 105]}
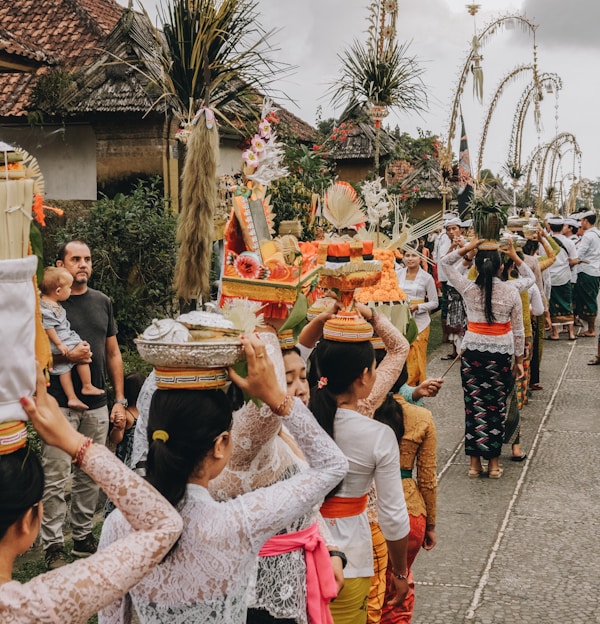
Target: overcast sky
{"type": "Point", "coordinates": [313, 32]}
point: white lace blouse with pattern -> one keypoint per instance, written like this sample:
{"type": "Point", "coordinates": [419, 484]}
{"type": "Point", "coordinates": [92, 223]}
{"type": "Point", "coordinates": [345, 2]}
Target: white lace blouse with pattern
{"type": "Point", "coordinates": [260, 457]}
{"type": "Point", "coordinates": [76, 591]}
{"type": "Point", "coordinates": [206, 577]}
{"type": "Point", "coordinates": [506, 305]}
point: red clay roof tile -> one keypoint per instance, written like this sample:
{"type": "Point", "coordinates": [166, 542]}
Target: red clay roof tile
{"type": "Point", "coordinates": [71, 31]}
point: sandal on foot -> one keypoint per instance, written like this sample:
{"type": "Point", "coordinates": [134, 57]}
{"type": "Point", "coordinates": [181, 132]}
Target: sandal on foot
{"type": "Point", "coordinates": [536, 386]}
{"type": "Point", "coordinates": [495, 474]}
{"type": "Point", "coordinates": [519, 458]}
{"type": "Point", "coordinates": [448, 357]}
{"type": "Point", "coordinates": [595, 361]}
{"type": "Point", "coordinates": [474, 474]}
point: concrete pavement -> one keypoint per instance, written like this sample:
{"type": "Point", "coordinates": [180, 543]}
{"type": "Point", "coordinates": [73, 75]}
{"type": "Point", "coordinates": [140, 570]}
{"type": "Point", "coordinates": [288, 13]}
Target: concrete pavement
{"type": "Point", "coordinates": [526, 547]}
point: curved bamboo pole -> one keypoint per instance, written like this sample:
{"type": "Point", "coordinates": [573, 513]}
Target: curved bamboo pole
{"type": "Point", "coordinates": [516, 136]}
{"type": "Point", "coordinates": [481, 40]}
{"type": "Point", "coordinates": [506, 80]}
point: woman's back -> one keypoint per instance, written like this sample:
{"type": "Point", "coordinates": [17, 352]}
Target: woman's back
{"type": "Point", "coordinates": [206, 577]}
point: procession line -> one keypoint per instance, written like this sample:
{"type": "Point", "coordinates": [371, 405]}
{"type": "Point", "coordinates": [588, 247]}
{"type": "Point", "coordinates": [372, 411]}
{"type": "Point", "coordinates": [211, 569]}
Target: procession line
{"type": "Point", "coordinates": [476, 602]}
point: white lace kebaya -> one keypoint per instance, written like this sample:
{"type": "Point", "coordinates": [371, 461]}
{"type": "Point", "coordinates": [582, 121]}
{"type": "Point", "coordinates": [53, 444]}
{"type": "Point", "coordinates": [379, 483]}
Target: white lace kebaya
{"type": "Point", "coordinates": [206, 577]}
{"type": "Point", "coordinates": [76, 591]}
{"type": "Point", "coordinates": [506, 304]}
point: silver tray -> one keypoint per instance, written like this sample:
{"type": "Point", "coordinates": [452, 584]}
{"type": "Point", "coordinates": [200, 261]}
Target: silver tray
{"type": "Point", "coordinates": [218, 354]}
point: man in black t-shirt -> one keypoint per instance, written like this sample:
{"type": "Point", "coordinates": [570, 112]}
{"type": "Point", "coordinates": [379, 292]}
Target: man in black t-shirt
{"type": "Point", "coordinates": [90, 314]}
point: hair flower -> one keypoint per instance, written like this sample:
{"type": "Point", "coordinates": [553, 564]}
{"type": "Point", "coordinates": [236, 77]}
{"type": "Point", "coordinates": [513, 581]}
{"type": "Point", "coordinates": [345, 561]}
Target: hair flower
{"type": "Point", "coordinates": [322, 383]}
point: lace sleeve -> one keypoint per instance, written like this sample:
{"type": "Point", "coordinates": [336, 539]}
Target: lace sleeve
{"type": "Point", "coordinates": [71, 593]}
{"type": "Point", "coordinates": [455, 277]}
{"type": "Point", "coordinates": [288, 499]}
{"type": "Point", "coordinates": [140, 436]}
{"type": "Point", "coordinates": [518, 330]}
{"type": "Point", "coordinates": [388, 371]}
{"type": "Point", "coordinates": [432, 296]}
{"type": "Point", "coordinates": [526, 279]}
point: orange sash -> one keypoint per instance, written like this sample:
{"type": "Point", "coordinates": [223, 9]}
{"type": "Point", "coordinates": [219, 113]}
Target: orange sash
{"type": "Point", "coordinates": [487, 329]}
{"type": "Point", "coordinates": [339, 507]}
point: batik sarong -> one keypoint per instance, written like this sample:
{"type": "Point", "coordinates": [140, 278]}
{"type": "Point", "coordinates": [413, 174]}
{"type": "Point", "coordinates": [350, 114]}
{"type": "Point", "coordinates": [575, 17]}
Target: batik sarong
{"type": "Point", "coordinates": [561, 304]}
{"type": "Point", "coordinates": [512, 423]}
{"type": "Point", "coordinates": [585, 295]}
{"type": "Point", "coordinates": [487, 382]}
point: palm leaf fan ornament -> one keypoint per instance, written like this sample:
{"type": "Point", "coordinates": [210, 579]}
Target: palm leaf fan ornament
{"type": "Point", "coordinates": [343, 207]}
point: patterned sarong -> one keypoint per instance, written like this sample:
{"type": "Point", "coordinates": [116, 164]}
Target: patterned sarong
{"type": "Point", "coordinates": [561, 304]}
{"type": "Point", "coordinates": [487, 381]}
{"type": "Point", "coordinates": [585, 295]}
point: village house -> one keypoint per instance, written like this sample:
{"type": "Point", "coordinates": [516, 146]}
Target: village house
{"type": "Point", "coordinates": [90, 117]}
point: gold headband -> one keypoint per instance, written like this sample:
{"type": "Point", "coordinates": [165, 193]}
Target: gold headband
{"type": "Point", "coordinates": [160, 434]}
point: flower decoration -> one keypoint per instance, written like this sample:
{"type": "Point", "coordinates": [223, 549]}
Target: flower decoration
{"type": "Point", "coordinates": [376, 201]}
{"type": "Point", "coordinates": [250, 157]}
{"type": "Point", "coordinates": [258, 144]}
{"type": "Point", "coordinates": [387, 289]}
{"type": "Point", "coordinates": [244, 314]}
{"type": "Point", "coordinates": [388, 32]}
{"type": "Point", "coordinates": [264, 127]}
{"type": "Point", "coordinates": [247, 265]}
{"type": "Point", "coordinates": [322, 383]}
{"type": "Point", "coordinates": [390, 6]}
{"type": "Point", "coordinates": [265, 153]}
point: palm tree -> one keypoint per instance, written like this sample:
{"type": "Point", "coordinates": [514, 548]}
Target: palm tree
{"type": "Point", "coordinates": [215, 53]}
{"type": "Point", "coordinates": [380, 77]}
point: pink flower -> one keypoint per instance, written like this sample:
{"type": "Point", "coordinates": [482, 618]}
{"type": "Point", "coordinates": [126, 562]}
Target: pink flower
{"type": "Point", "coordinates": [250, 158]}
{"type": "Point", "coordinates": [264, 127]}
{"type": "Point", "coordinates": [258, 144]}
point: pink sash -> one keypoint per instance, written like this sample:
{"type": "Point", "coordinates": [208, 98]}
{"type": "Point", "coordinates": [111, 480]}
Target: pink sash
{"type": "Point", "coordinates": [321, 587]}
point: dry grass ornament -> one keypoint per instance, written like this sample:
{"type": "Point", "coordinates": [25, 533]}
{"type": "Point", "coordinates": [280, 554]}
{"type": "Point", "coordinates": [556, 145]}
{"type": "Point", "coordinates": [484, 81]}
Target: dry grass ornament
{"type": "Point", "coordinates": [199, 202]}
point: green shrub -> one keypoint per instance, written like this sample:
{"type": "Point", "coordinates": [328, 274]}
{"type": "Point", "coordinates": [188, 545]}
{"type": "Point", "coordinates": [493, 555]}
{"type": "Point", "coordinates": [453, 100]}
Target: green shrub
{"type": "Point", "coordinates": [132, 239]}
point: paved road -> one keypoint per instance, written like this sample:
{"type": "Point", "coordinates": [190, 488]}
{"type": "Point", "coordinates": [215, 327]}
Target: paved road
{"type": "Point", "coordinates": [526, 547]}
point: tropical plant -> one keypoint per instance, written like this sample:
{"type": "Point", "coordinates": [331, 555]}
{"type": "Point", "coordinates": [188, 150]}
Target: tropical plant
{"type": "Point", "coordinates": [214, 53]}
{"type": "Point", "coordinates": [390, 78]}
{"type": "Point", "coordinates": [380, 76]}
{"type": "Point", "coordinates": [488, 217]}
{"type": "Point", "coordinates": [132, 239]}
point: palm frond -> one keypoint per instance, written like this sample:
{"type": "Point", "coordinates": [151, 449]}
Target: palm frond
{"type": "Point", "coordinates": [392, 78]}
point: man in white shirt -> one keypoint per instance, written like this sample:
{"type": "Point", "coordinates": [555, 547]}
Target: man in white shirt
{"type": "Point", "coordinates": [561, 293]}
{"type": "Point", "coordinates": [585, 293]}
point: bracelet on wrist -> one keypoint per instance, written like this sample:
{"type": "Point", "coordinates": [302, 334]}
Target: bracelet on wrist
{"type": "Point", "coordinates": [341, 555]}
{"type": "Point", "coordinates": [78, 457]}
{"type": "Point", "coordinates": [280, 410]}
{"type": "Point", "coordinates": [400, 577]}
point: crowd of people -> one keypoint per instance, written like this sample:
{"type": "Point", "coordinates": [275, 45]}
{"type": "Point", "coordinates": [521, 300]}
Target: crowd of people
{"type": "Point", "coordinates": [307, 505]}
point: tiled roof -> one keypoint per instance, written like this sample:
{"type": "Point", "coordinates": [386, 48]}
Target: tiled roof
{"type": "Point", "coordinates": [70, 31]}
{"type": "Point", "coordinates": [360, 143]}
{"type": "Point", "coordinates": [10, 45]}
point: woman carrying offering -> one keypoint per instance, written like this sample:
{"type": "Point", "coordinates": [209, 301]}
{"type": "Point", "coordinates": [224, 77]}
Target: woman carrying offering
{"type": "Point", "coordinates": [206, 576]}
{"type": "Point", "coordinates": [416, 434]}
{"type": "Point", "coordinates": [420, 289]}
{"type": "Point", "coordinates": [73, 593]}
{"type": "Point", "coordinates": [344, 396]}
{"type": "Point", "coordinates": [494, 334]}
